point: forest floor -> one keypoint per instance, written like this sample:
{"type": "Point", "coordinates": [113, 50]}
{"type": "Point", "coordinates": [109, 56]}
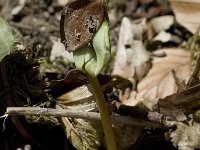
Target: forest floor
{"type": "Point", "coordinates": [154, 55]}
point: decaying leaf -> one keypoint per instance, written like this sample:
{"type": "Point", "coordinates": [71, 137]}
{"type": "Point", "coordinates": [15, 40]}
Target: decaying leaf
{"type": "Point", "coordinates": [79, 21]}
{"type": "Point", "coordinates": [162, 23]}
{"type": "Point", "coordinates": [160, 82]}
{"type": "Point", "coordinates": [17, 9]}
{"type": "Point", "coordinates": [88, 134]}
{"type": "Point", "coordinates": [186, 137]}
{"type": "Point", "coordinates": [76, 78]}
{"type": "Point", "coordinates": [167, 37]}
{"type": "Point", "coordinates": [132, 59]}
{"type": "Point", "coordinates": [63, 2]}
{"type": "Point", "coordinates": [187, 13]}
{"type": "Point", "coordinates": [186, 101]}
{"type": "Point", "coordinates": [58, 50]}
{"type": "Point", "coordinates": [83, 134]}
{"type": "Point", "coordinates": [80, 98]}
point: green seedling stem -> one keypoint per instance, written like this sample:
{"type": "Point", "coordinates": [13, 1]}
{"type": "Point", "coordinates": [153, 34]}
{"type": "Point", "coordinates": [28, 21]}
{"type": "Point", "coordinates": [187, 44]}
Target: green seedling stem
{"type": "Point", "coordinates": [101, 103]}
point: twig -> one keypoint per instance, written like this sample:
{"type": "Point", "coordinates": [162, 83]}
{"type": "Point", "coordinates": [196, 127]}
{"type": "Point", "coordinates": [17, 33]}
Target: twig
{"type": "Point", "coordinates": [128, 120]}
{"type": "Point", "coordinates": [52, 112]}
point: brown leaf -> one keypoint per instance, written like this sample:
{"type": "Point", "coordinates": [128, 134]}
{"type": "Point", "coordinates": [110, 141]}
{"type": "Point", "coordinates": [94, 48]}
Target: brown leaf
{"type": "Point", "coordinates": [162, 23]}
{"type": "Point", "coordinates": [186, 137]}
{"type": "Point", "coordinates": [132, 59]}
{"type": "Point", "coordinates": [79, 21]}
{"type": "Point", "coordinates": [63, 2]}
{"type": "Point", "coordinates": [187, 13]}
{"type": "Point", "coordinates": [78, 98]}
{"type": "Point", "coordinates": [73, 79]}
{"type": "Point", "coordinates": [82, 133]}
{"type": "Point", "coordinates": [160, 82]}
{"type": "Point", "coordinates": [76, 78]}
{"type": "Point", "coordinates": [186, 101]}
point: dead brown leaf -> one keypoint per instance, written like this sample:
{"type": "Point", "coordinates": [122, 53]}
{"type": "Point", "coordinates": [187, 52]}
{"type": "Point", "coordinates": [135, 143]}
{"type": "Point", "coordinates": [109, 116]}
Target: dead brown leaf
{"type": "Point", "coordinates": [82, 133]}
{"type": "Point", "coordinates": [187, 13]}
{"type": "Point", "coordinates": [88, 134]}
{"type": "Point", "coordinates": [132, 59]}
{"type": "Point", "coordinates": [62, 2]}
{"type": "Point", "coordinates": [160, 82]}
{"type": "Point", "coordinates": [186, 137]}
{"type": "Point", "coordinates": [162, 23]}
{"type": "Point", "coordinates": [186, 101]}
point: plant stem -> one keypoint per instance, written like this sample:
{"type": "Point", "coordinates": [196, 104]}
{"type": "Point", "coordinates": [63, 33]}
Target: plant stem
{"type": "Point", "coordinates": [101, 103]}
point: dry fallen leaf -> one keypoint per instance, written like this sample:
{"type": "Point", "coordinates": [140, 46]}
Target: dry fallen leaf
{"type": "Point", "coordinates": [167, 37]}
{"type": "Point", "coordinates": [186, 137]}
{"type": "Point", "coordinates": [162, 23]}
{"type": "Point", "coordinates": [187, 13]}
{"type": "Point", "coordinates": [82, 133]}
{"type": "Point", "coordinates": [62, 2]}
{"type": "Point", "coordinates": [16, 10]}
{"type": "Point", "coordinates": [160, 82]}
{"type": "Point", "coordinates": [80, 98]}
{"type": "Point", "coordinates": [181, 103]}
{"type": "Point", "coordinates": [58, 50]}
{"type": "Point", "coordinates": [88, 134]}
{"type": "Point", "coordinates": [132, 59]}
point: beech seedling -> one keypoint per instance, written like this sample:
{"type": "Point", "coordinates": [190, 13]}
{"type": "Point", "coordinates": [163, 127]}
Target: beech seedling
{"type": "Point", "coordinates": [85, 32]}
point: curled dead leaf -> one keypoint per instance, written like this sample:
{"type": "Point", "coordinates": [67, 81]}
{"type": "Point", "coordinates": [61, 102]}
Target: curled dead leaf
{"type": "Point", "coordinates": [186, 137]}
{"type": "Point", "coordinates": [82, 133]}
{"type": "Point", "coordinates": [181, 103]}
{"type": "Point", "coordinates": [187, 13]}
{"type": "Point", "coordinates": [132, 59]}
{"type": "Point", "coordinates": [160, 81]}
{"type": "Point", "coordinates": [88, 134]}
{"type": "Point", "coordinates": [162, 23]}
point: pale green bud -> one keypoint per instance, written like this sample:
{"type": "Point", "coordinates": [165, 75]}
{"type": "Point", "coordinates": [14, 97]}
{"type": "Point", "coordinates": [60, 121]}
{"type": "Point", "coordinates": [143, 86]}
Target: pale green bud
{"type": "Point", "coordinates": [93, 58]}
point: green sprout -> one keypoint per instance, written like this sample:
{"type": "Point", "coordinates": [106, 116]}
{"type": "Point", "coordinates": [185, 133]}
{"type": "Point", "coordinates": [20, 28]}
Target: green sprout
{"type": "Point", "coordinates": [92, 59]}
{"type": "Point", "coordinates": [84, 30]}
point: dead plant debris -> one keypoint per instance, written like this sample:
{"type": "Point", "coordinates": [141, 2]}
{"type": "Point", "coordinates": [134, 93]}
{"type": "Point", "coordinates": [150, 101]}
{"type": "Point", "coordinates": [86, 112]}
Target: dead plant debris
{"type": "Point", "coordinates": [151, 84]}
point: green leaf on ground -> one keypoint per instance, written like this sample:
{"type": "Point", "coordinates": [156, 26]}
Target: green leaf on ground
{"type": "Point", "coordinates": [6, 39]}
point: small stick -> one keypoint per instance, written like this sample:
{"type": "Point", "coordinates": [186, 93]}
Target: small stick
{"type": "Point", "coordinates": [127, 120]}
{"type": "Point", "coordinates": [52, 112]}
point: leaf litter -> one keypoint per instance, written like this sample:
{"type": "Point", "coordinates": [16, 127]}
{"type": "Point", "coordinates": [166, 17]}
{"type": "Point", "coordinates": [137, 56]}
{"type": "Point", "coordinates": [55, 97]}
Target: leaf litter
{"type": "Point", "coordinates": [160, 82]}
{"type": "Point", "coordinates": [144, 76]}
